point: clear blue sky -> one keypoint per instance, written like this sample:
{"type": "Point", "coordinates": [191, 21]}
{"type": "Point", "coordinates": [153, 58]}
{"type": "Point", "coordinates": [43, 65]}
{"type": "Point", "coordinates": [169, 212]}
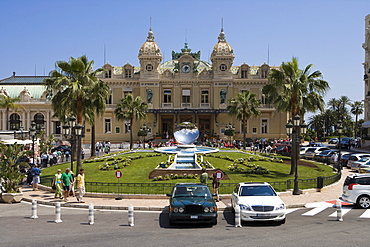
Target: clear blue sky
{"type": "Point", "coordinates": [329, 34]}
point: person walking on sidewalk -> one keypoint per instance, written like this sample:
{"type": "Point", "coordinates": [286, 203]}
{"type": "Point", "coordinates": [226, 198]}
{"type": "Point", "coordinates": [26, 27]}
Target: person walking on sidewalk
{"type": "Point", "coordinates": [215, 185]}
{"type": "Point", "coordinates": [57, 182]}
{"type": "Point", "coordinates": [66, 181]}
{"type": "Point", "coordinates": [80, 185]}
{"type": "Point", "coordinates": [35, 173]}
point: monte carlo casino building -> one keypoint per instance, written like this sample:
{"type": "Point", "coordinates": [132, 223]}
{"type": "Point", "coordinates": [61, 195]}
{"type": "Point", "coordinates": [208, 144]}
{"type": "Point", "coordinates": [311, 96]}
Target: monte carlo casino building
{"type": "Point", "coordinates": [184, 89]}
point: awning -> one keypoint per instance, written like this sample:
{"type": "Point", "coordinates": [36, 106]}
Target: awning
{"type": "Point", "coordinates": [366, 124]}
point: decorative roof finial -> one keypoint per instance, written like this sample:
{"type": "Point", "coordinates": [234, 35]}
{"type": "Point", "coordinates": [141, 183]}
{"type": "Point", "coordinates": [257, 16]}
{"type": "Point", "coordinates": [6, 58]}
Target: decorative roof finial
{"type": "Point", "coordinates": [150, 33]}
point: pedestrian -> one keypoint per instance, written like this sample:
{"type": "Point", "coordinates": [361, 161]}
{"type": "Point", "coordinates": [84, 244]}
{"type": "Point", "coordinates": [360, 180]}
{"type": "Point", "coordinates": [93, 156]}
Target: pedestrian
{"type": "Point", "coordinates": [204, 176]}
{"type": "Point", "coordinates": [57, 182]}
{"type": "Point", "coordinates": [82, 153]}
{"type": "Point", "coordinates": [67, 155]}
{"type": "Point", "coordinates": [35, 173]}
{"type": "Point", "coordinates": [72, 186]}
{"type": "Point", "coordinates": [45, 159]}
{"type": "Point", "coordinates": [80, 185]}
{"type": "Point", "coordinates": [335, 160]}
{"type": "Point", "coordinates": [66, 182]}
{"type": "Point", "coordinates": [215, 185]}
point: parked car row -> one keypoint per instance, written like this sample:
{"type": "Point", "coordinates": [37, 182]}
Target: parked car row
{"type": "Point", "coordinates": [193, 203]}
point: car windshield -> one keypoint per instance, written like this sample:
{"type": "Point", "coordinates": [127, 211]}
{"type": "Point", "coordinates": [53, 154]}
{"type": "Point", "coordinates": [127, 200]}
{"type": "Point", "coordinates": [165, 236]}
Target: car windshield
{"type": "Point", "coordinates": [192, 191]}
{"type": "Point", "coordinates": [257, 190]}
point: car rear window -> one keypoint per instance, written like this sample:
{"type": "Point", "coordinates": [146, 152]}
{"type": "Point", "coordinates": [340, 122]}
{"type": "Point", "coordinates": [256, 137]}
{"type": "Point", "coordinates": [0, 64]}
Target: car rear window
{"type": "Point", "coordinates": [357, 180]}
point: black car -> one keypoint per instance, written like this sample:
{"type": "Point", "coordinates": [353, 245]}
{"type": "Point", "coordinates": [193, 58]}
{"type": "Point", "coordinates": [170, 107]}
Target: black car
{"type": "Point", "coordinates": [325, 156]}
{"type": "Point", "coordinates": [345, 143]}
{"type": "Point", "coordinates": [192, 203]}
{"type": "Point", "coordinates": [62, 148]}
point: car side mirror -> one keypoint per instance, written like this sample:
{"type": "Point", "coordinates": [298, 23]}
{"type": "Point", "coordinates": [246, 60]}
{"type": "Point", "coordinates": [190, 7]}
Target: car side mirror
{"type": "Point", "coordinates": [169, 194]}
{"type": "Point", "coordinates": [278, 193]}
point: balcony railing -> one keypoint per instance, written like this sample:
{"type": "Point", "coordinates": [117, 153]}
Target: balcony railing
{"type": "Point", "coordinates": [167, 105]}
{"type": "Point", "coordinates": [185, 105]}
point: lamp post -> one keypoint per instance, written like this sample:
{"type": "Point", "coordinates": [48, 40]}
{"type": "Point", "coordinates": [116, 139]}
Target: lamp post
{"type": "Point", "coordinates": [295, 129]}
{"type": "Point", "coordinates": [33, 136]}
{"type": "Point", "coordinates": [70, 135]}
{"type": "Point", "coordinates": [340, 130]}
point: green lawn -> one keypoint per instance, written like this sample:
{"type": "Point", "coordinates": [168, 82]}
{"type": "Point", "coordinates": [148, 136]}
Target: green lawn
{"type": "Point", "coordinates": [139, 170]}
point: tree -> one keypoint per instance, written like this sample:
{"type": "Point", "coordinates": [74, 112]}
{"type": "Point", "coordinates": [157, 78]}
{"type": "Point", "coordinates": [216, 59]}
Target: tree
{"type": "Point", "coordinates": [72, 82]}
{"type": "Point", "coordinates": [9, 104]}
{"type": "Point", "coordinates": [357, 108]}
{"type": "Point", "coordinates": [10, 166]}
{"type": "Point", "coordinates": [244, 106]}
{"type": "Point", "coordinates": [130, 109]}
{"type": "Point", "coordinates": [97, 100]}
{"type": "Point", "coordinates": [295, 90]}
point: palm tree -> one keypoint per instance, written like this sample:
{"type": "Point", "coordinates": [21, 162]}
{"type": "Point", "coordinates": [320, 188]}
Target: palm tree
{"type": "Point", "coordinates": [9, 104]}
{"type": "Point", "coordinates": [296, 91]}
{"type": "Point", "coordinates": [72, 82]}
{"type": "Point", "coordinates": [244, 106]}
{"type": "Point", "coordinates": [357, 108]}
{"type": "Point", "coordinates": [131, 109]}
{"type": "Point", "coordinates": [97, 100]}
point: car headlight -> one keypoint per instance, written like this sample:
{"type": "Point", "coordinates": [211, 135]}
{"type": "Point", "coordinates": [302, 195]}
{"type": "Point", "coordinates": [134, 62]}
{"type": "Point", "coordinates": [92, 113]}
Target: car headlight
{"type": "Point", "coordinates": [181, 210]}
{"type": "Point", "coordinates": [175, 210]}
{"type": "Point", "coordinates": [245, 207]}
{"type": "Point", "coordinates": [206, 209]}
{"type": "Point", "coordinates": [281, 206]}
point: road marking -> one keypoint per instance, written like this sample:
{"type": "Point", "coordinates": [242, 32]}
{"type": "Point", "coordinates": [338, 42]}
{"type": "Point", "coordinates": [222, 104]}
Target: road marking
{"type": "Point", "coordinates": [366, 214]}
{"type": "Point", "coordinates": [314, 211]}
{"type": "Point", "coordinates": [344, 211]}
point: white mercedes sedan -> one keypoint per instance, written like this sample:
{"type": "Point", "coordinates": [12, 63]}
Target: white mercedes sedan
{"type": "Point", "coordinates": [258, 202]}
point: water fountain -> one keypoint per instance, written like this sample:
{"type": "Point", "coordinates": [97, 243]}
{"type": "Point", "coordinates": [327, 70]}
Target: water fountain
{"type": "Point", "coordinates": [185, 152]}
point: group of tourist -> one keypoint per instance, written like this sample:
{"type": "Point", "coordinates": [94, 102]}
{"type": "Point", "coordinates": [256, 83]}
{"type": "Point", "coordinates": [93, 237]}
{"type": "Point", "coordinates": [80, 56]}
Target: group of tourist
{"type": "Point", "coordinates": [102, 147]}
{"type": "Point", "coordinates": [64, 185]}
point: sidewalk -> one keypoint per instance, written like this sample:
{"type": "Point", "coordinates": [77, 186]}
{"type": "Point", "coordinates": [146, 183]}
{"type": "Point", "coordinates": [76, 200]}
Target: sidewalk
{"type": "Point", "coordinates": [161, 202]}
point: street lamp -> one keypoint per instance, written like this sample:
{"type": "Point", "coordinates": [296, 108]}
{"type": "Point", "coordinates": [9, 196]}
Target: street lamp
{"type": "Point", "coordinates": [294, 130]}
{"type": "Point", "coordinates": [33, 137]}
{"type": "Point", "coordinates": [69, 132]}
{"type": "Point", "coordinates": [340, 130]}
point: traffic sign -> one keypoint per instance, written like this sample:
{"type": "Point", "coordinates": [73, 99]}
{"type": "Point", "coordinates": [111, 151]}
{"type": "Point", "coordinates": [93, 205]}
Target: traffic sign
{"type": "Point", "coordinates": [219, 174]}
{"type": "Point", "coordinates": [118, 174]}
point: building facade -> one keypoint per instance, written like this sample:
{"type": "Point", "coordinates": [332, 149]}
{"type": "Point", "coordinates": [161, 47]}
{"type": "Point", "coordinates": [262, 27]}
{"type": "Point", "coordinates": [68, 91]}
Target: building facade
{"type": "Point", "coordinates": [184, 89]}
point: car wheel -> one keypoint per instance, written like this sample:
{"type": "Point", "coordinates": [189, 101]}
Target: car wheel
{"type": "Point", "coordinates": [363, 202]}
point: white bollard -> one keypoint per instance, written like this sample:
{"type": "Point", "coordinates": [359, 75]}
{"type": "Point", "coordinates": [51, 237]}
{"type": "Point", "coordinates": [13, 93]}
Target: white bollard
{"type": "Point", "coordinates": [339, 210]}
{"type": "Point", "coordinates": [57, 213]}
{"type": "Point", "coordinates": [131, 215]}
{"type": "Point", "coordinates": [34, 209]}
{"type": "Point", "coordinates": [91, 214]}
{"type": "Point", "coordinates": [237, 216]}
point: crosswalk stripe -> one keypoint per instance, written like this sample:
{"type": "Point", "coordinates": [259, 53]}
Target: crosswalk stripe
{"type": "Point", "coordinates": [366, 214]}
{"type": "Point", "coordinates": [314, 211]}
{"type": "Point", "coordinates": [344, 211]}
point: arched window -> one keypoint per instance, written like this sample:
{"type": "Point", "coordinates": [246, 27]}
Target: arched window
{"type": "Point", "coordinates": [15, 121]}
{"type": "Point", "coordinates": [39, 121]}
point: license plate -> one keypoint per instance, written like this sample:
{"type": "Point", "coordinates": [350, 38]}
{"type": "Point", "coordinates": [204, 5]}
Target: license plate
{"type": "Point", "coordinates": [194, 217]}
{"type": "Point", "coordinates": [263, 215]}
